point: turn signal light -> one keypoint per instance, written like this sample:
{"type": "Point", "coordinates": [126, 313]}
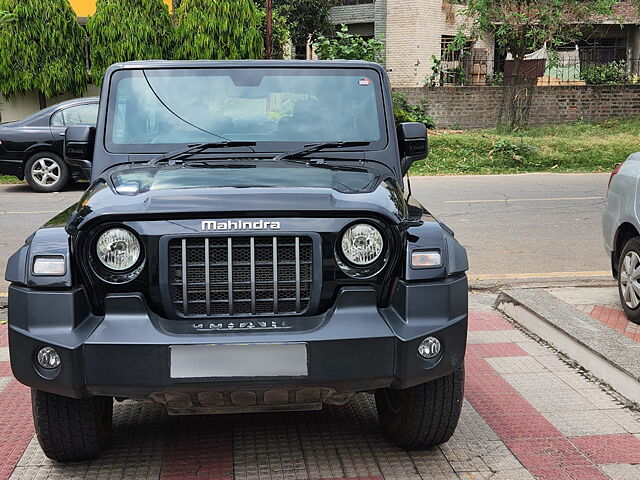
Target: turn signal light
{"type": "Point", "coordinates": [426, 259]}
{"type": "Point", "coordinates": [49, 265]}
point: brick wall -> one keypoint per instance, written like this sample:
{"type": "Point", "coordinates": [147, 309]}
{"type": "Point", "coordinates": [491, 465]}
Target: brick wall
{"type": "Point", "coordinates": [478, 107]}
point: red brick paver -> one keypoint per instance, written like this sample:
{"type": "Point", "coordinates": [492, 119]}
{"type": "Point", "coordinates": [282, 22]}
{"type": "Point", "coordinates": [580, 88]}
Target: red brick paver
{"type": "Point", "coordinates": [198, 447]}
{"type": "Point", "coordinates": [485, 321]}
{"type": "Point", "coordinates": [616, 319]}
{"type": "Point", "coordinates": [16, 425]}
{"type": "Point", "coordinates": [603, 449]}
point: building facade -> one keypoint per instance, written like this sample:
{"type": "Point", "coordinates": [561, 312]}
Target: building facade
{"type": "Point", "coordinates": [416, 34]}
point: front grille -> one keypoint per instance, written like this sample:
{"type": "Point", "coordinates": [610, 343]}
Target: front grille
{"type": "Point", "coordinates": [240, 276]}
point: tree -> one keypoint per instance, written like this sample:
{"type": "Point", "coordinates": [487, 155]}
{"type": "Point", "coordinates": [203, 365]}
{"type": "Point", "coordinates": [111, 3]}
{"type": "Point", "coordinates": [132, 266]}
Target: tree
{"type": "Point", "coordinates": [123, 30]}
{"type": "Point", "coordinates": [308, 19]}
{"type": "Point", "coordinates": [522, 26]}
{"type": "Point", "coordinates": [217, 29]}
{"type": "Point", "coordinates": [349, 47]}
{"type": "Point", "coordinates": [41, 48]}
{"type": "Point", "coordinates": [280, 33]}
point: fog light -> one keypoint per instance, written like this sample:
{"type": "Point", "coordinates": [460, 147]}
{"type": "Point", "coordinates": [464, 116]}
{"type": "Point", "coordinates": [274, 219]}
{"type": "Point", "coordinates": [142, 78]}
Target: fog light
{"type": "Point", "coordinates": [48, 358]}
{"type": "Point", "coordinates": [429, 348]}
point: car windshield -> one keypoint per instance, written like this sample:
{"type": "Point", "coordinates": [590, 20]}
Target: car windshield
{"type": "Point", "coordinates": [142, 179]}
{"type": "Point", "coordinates": [156, 110]}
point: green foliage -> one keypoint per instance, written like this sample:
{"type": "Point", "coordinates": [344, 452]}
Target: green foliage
{"type": "Point", "coordinates": [349, 47]}
{"type": "Point", "coordinates": [576, 147]}
{"type": "Point", "coordinates": [613, 73]}
{"type": "Point", "coordinates": [405, 112]}
{"type": "Point", "coordinates": [513, 153]}
{"type": "Point", "coordinates": [280, 34]}
{"type": "Point", "coordinates": [307, 19]}
{"type": "Point", "coordinates": [522, 26]}
{"type": "Point", "coordinates": [9, 179]}
{"type": "Point", "coordinates": [123, 30]}
{"type": "Point", "coordinates": [496, 79]}
{"type": "Point", "coordinates": [218, 30]}
{"type": "Point", "coordinates": [41, 48]}
{"type": "Point", "coordinates": [6, 17]}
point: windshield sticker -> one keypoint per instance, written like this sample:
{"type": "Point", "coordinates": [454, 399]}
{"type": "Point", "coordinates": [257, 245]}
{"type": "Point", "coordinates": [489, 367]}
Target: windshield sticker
{"type": "Point", "coordinates": [364, 82]}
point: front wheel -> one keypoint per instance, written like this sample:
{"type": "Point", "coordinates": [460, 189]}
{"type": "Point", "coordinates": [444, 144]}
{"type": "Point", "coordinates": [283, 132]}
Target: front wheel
{"type": "Point", "coordinates": [71, 429]}
{"type": "Point", "coordinates": [422, 416]}
{"type": "Point", "coordinates": [629, 279]}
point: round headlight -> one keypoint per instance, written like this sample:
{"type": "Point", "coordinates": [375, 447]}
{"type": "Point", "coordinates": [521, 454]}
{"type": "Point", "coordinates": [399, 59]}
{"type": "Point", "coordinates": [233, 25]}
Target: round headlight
{"type": "Point", "coordinates": [118, 249]}
{"type": "Point", "coordinates": [362, 244]}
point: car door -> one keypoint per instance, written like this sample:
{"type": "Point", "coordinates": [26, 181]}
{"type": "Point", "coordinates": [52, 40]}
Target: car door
{"type": "Point", "coordinates": [83, 114]}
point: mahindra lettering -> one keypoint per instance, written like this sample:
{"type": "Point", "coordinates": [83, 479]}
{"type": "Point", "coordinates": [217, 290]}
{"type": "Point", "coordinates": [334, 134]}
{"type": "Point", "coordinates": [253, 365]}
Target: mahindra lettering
{"type": "Point", "coordinates": [246, 244]}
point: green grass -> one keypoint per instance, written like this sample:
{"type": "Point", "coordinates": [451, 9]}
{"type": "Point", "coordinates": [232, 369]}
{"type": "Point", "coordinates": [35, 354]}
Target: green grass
{"type": "Point", "coordinates": [9, 179]}
{"type": "Point", "coordinates": [577, 147]}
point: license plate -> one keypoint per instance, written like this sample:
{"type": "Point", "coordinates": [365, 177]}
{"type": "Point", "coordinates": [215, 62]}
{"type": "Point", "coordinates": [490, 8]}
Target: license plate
{"type": "Point", "coordinates": [239, 360]}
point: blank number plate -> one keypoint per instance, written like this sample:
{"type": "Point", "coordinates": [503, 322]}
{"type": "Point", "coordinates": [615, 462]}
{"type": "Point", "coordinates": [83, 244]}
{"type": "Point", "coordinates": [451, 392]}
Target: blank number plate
{"type": "Point", "coordinates": [239, 360]}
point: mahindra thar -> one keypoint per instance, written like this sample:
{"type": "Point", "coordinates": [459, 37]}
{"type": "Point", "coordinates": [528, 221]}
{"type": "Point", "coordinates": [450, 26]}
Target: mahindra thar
{"type": "Point", "coordinates": [246, 244]}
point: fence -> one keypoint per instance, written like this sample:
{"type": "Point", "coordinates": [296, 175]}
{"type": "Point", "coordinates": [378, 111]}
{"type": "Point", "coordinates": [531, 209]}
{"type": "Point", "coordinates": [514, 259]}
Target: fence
{"type": "Point", "coordinates": [479, 70]}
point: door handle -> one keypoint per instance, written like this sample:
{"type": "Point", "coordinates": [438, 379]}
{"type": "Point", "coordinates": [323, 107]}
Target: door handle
{"type": "Point", "coordinates": [62, 134]}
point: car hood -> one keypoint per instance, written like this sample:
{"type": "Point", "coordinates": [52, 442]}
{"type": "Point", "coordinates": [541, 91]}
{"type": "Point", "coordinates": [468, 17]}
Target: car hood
{"type": "Point", "coordinates": [102, 203]}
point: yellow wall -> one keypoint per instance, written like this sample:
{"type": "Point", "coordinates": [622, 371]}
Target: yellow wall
{"type": "Point", "coordinates": [84, 8]}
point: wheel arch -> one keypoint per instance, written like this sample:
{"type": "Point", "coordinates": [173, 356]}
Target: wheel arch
{"type": "Point", "coordinates": [625, 232]}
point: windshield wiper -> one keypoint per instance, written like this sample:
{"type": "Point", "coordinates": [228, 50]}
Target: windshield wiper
{"type": "Point", "coordinates": [301, 152]}
{"type": "Point", "coordinates": [321, 163]}
{"type": "Point", "coordinates": [195, 149]}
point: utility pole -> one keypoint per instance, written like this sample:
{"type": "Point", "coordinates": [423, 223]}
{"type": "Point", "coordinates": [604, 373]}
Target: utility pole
{"type": "Point", "coordinates": [268, 40]}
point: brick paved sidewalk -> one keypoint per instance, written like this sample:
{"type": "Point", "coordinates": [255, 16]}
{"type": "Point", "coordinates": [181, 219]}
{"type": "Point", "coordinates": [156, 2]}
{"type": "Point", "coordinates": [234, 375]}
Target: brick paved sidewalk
{"type": "Point", "coordinates": [603, 304]}
{"type": "Point", "coordinates": [527, 415]}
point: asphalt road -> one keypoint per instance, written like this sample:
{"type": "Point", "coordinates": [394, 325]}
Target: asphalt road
{"type": "Point", "coordinates": [523, 226]}
{"type": "Point", "coordinates": [514, 226]}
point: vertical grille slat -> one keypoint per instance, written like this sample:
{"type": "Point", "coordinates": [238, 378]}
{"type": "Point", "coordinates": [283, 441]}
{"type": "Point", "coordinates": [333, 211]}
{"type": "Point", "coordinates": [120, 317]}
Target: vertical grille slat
{"type": "Point", "coordinates": [240, 276]}
{"type": "Point", "coordinates": [207, 275]}
{"type": "Point", "coordinates": [275, 274]}
{"type": "Point", "coordinates": [297, 274]}
{"type": "Point", "coordinates": [252, 254]}
{"type": "Point", "coordinates": [230, 274]}
{"type": "Point", "coordinates": [185, 297]}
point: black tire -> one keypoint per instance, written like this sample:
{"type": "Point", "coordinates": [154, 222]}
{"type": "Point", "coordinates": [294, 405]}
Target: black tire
{"type": "Point", "coordinates": [631, 248]}
{"type": "Point", "coordinates": [71, 429]}
{"type": "Point", "coordinates": [422, 416]}
{"type": "Point", "coordinates": [44, 182]}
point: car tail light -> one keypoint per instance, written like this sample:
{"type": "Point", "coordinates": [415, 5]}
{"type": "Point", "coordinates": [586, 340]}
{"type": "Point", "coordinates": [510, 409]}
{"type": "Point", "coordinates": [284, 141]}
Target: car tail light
{"type": "Point", "coordinates": [613, 174]}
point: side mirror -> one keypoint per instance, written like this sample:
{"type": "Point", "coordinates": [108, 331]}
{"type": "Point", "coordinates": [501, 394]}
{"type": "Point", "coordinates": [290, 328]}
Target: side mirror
{"type": "Point", "coordinates": [413, 142]}
{"type": "Point", "coordinates": [78, 147]}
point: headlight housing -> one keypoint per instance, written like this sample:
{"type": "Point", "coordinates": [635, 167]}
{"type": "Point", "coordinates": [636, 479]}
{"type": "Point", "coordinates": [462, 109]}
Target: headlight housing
{"type": "Point", "coordinates": [118, 249]}
{"type": "Point", "coordinates": [362, 244]}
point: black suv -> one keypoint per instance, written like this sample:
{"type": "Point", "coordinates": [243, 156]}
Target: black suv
{"type": "Point", "coordinates": [246, 244]}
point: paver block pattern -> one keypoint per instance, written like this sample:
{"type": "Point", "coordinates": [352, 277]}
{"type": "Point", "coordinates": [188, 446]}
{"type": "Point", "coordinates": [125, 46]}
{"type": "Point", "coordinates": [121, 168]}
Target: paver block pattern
{"type": "Point", "coordinates": [527, 415]}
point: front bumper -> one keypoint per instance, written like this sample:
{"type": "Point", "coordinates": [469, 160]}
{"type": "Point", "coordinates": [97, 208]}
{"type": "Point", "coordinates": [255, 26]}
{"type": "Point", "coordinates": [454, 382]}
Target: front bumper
{"type": "Point", "coordinates": [126, 353]}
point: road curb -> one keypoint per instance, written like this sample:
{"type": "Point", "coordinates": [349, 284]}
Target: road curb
{"type": "Point", "coordinates": [608, 355]}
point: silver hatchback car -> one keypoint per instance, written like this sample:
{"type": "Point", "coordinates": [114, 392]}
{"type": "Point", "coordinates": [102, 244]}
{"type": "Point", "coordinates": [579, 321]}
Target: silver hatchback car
{"type": "Point", "coordinates": [620, 227]}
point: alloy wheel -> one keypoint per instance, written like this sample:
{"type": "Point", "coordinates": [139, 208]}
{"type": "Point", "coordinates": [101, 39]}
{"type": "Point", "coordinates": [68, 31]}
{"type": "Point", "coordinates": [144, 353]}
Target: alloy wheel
{"type": "Point", "coordinates": [630, 279]}
{"type": "Point", "coordinates": [45, 171]}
